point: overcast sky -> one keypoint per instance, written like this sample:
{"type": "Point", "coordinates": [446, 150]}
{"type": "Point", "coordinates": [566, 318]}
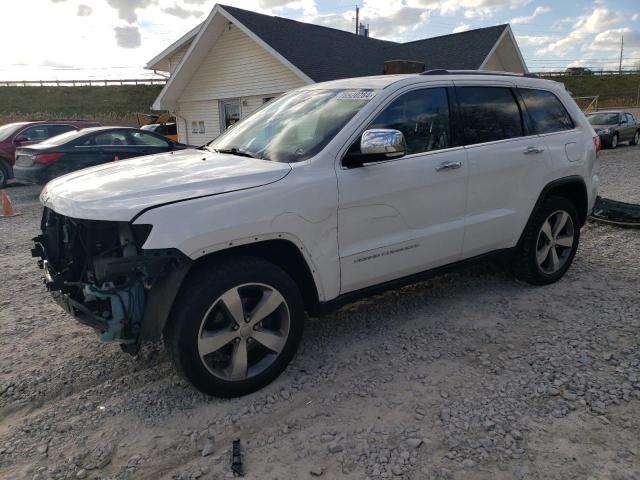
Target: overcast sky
{"type": "Point", "coordinates": [49, 39]}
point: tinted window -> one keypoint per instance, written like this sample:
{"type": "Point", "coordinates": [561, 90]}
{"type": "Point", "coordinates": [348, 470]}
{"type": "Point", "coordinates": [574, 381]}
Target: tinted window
{"type": "Point", "coordinates": [111, 138]}
{"type": "Point", "coordinates": [489, 114]}
{"type": "Point", "coordinates": [422, 116]}
{"type": "Point", "coordinates": [630, 119]}
{"type": "Point", "coordinates": [36, 133]}
{"type": "Point", "coordinates": [546, 112]}
{"type": "Point", "coordinates": [58, 129]}
{"type": "Point", "coordinates": [143, 138]}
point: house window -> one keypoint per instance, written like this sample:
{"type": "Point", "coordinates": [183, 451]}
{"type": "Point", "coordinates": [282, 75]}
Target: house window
{"type": "Point", "coordinates": [201, 128]}
{"type": "Point", "coordinates": [229, 113]}
{"type": "Point", "coordinates": [194, 127]}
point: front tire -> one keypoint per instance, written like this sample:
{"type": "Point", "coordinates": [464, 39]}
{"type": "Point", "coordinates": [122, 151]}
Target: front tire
{"type": "Point", "coordinates": [614, 141]}
{"type": "Point", "coordinates": [549, 243]}
{"type": "Point", "coordinates": [636, 138]}
{"type": "Point", "coordinates": [235, 326]}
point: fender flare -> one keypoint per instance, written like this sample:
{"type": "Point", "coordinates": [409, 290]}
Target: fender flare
{"type": "Point", "coordinates": [571, 179]}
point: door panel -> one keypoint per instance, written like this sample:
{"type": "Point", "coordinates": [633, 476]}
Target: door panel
{"type": "Point", "coordinates": [504, 183]}
{"type": "Point", "coordinates": [400, 217]}
{"type": "Point", "coordinates": [507, 164]}
{"type": "Point", "coordinates": [406, 215]}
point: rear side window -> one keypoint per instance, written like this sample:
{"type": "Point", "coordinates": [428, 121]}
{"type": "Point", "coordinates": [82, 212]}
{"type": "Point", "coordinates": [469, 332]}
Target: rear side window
{"type": "Point", "coordinates": [630, 119]}
{"type": "Point", "coordinates": [489, 114]}
{"type": "Point", "coordinates": [59, 129]}
{"type": "Point", "coordinates": [546, 111]}
{"type": "Point", "coordinates": [422, 116]}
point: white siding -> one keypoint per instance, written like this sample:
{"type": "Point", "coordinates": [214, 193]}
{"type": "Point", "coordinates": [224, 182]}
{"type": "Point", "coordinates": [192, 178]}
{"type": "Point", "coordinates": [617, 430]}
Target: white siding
{"type": "Point", "coordinates": [174, 59]}
{"type": "Point", "coordinates": [237, 67]}
{"type": "Point", "coordinates": [206, 112]}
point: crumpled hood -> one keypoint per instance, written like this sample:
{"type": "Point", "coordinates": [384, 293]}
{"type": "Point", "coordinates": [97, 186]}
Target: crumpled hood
{"type": "Point", "coordinates": [119, 190]}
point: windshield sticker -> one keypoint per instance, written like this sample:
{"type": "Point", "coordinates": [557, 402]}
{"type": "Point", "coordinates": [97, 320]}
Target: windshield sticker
{"type": "Point", "coordinates": [355, 95]}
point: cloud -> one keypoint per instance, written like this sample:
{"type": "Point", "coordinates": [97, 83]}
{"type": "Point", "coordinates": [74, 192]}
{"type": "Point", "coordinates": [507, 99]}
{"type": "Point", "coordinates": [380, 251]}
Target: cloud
{"type": "Point", "coordinates": [84, 10]}
{"type": "Point", "coordinates": [600, 19]}
{"type": "Point", "coordinates": [635, 16]}
{"type": "Point", "coordinates": [178, 11]}
{"type": "Point", "coordinates": [473, 8]}
{"type": "Point", "coordinates": [533, 40]}
{"type": "Point", "coordinates": [127, 8]}
{"type": "Point", "coordinates": [610, 39]}
{"type": "Point", "coordinates": [127, 37]}
{"type": "Point", "coordinates": [529, 18]}
{"type": "Point", "coordinates": [461, 28]}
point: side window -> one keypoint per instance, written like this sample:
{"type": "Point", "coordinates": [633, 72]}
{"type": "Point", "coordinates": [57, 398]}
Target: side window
{"type": "Point", "coordinates": [546, 111]}
{"type": "Point", "coordinates": [489, 114]}
{"type": "Point", "coordinates": [59, 129]}
{"type": "Point", "coordinates": [143, 138]}
{"type": "Point", "coordinates": [630, 119]}
{"type": "Point", "coordinates": [108, 139]}
{"type": "Point", "coordinates": [422, 116]}
{"type": "Point", "coordinates": [37, 133]}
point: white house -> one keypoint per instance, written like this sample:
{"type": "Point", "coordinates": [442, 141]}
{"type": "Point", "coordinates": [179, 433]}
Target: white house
{"type": "Point", "coordinates": [228, 66]}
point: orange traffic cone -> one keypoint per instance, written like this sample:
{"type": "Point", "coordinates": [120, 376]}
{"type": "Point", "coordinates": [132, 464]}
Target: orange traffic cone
{"type": "Point", "coordinates": [7, 209]}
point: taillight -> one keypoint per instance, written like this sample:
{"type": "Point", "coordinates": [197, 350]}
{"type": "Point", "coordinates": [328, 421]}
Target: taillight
{"type": "Point", "coordinates": [45, 158]}
{"type": "Point", "coordinates": [596, 143]}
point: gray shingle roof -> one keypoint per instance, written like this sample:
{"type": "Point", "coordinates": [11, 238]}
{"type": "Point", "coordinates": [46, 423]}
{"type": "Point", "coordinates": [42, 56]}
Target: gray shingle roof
{"type": "Point", "coordinates": [325, 53]}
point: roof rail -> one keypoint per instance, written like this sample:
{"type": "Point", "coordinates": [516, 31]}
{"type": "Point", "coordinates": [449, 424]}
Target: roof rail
{"type": "Point", "coordinates": [477, 72]}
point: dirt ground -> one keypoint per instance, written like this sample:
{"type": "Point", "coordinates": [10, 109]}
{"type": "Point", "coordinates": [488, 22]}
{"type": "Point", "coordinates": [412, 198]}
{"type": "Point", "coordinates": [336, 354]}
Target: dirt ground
{"type": "Point", "coordinates": [468, 376]}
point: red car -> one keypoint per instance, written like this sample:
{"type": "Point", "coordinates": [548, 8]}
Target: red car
{"type": "Point", "coordinates": [21, 134]}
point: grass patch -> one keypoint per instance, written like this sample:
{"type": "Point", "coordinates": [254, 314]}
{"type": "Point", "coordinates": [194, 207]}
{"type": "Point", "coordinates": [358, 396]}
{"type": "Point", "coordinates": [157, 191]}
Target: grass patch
{"type": "Point", "coordinates": [114, 103]}
{"type": "Point", "coordinates": [614, 90]}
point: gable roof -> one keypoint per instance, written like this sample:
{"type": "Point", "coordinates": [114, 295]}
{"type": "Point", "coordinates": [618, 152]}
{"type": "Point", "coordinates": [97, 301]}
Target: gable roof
{"type": "Point", "coordinates": [317, 53]}
{"type": "Point", "coordinates": [345, 54]}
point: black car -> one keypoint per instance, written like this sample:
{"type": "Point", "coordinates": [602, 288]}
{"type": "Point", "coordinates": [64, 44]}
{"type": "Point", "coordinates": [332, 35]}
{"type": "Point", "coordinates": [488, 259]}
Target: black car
{"type": "Point", "coordinates": [85, 148]}
{"type": "Point", "coordinates": [614, 127]}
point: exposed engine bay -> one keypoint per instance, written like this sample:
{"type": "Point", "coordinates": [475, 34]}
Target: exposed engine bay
{"type": "Point", "coordinates": [98, 272]}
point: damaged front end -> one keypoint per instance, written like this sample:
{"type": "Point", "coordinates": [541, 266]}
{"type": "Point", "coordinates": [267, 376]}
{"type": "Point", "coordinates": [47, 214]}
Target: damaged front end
{"type": "Point", "coordinates": [99, 273]}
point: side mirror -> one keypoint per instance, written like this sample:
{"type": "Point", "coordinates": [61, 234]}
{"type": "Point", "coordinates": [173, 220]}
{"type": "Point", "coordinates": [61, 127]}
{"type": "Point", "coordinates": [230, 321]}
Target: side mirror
{"type": "Point", "coordinates": [376, 145]}
{"type": "Point", "coordinates": [20, 139]}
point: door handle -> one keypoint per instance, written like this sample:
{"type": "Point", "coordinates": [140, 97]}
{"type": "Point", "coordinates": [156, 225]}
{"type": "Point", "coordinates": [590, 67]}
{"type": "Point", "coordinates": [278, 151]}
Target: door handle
{"type": "Point", "coordinates": [532, 150]}
{"type": "Point", "coordinates": [448, 166]}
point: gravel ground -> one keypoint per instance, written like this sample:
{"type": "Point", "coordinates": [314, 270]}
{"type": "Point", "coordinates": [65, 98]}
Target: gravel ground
{"type": "Point", "coordinates": [471, 375]}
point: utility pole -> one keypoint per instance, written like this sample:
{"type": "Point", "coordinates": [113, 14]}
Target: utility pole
{"type": "Point", "coordinates": [621, 48]}
{"type": "Point", "coordinates": [357, 19]}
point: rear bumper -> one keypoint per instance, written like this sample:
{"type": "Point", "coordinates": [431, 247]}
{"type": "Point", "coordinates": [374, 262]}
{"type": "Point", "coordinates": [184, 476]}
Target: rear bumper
{"type": "Point", "coordinates": [33, 175]}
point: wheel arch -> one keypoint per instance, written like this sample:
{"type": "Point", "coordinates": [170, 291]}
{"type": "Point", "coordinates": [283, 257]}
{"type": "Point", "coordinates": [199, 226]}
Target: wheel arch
{"type": "Point", "coordinates": [282, 252]}
{"type": "Point", "coordinates": [573, 188]}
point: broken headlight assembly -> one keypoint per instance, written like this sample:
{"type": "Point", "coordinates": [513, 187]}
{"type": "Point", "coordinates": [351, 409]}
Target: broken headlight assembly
{"type": "Point", "coordinates": [98, 271]}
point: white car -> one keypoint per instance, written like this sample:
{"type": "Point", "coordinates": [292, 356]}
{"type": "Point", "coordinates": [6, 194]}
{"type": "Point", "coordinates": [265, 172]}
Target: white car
{"type": "Point", "coordinates": [326, 194]}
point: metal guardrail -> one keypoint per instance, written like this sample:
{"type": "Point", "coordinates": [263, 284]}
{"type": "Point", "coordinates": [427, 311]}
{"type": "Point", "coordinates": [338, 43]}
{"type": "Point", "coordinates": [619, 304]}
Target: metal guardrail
{"type": "Point", "coordinates": [83, 83]}
{"type": "Point", "coordinates": [587, 74]}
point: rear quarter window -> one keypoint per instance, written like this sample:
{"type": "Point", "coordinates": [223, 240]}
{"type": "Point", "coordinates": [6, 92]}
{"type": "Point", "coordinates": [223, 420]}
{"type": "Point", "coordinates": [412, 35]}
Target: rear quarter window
{"type": "Point", "coordinates": [547, 113]}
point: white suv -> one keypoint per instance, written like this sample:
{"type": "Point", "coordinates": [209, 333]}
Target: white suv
{"type": "Point", "coordinates": [328, 193]}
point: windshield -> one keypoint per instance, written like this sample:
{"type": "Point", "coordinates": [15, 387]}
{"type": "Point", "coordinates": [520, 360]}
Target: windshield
{"type": "Point", "coordinates": [9, 129]}
{"type": "Point", "coordinates": [603, 119]}
{"type": "Point", "coordinates": [294, 127]}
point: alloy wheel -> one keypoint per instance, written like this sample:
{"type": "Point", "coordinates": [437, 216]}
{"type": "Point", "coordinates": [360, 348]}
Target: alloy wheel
{"type": "Point", "coordinates": [614, 141]}
{"type": "Point", "coordinates": [555, 242]}
{"type": "Point", "coordinates": [244, 331]}
{"type": "Point", "coordinates": [636, 138]}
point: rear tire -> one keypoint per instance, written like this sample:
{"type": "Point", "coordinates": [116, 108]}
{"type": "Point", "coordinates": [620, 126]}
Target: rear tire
{"type": "Point", "coordinates": [614, 141]}
{"type": "Point", "coordinates": [549, 242]}
{"type": "Point", "coordinates": [235, 326]}
{"type": "Point", "coordinates": [4, 175]}
{"type": "Point", "coordinates": [636, 138]}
